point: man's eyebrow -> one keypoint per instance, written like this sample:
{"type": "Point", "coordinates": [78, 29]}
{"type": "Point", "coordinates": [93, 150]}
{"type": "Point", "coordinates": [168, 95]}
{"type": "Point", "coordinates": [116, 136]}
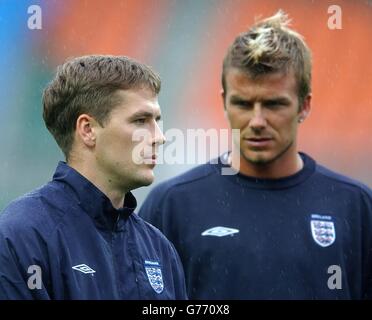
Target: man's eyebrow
{"type": "Point", "coordinates": [280, 99]}
{"type": "Point", "coordinates": [235, 98]}
{"type": "Point", "coordinates": [277, 99]}
{"type": "Point", "coordinates": [145, 114]}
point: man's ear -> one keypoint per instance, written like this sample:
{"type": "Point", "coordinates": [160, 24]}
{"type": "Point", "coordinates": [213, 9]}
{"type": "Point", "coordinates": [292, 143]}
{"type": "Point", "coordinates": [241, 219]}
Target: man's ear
{"type": "Point", "coordinates": [86, 129]}
{"type": "Point", "coordinates": [305, 109]}
{"type": "Point", "coordinates": [223, 95]}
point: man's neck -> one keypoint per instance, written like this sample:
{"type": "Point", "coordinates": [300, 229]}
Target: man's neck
{"type": "Point", "coordinates": [284, 166]}
{"type": "Point", "coordinates": [103, 183]}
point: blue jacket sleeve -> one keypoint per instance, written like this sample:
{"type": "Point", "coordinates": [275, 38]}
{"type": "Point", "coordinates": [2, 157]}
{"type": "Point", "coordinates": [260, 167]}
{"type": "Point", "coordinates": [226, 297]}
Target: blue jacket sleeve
{"type": "Point", "coordinates": [17, 280]}
{"type": "Point", "coordinates": [23, 257]}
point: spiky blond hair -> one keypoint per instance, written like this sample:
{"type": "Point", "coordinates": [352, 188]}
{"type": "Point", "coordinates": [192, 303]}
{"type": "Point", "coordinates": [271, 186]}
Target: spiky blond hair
{"type": "Point", "coordinates": [270, 46]}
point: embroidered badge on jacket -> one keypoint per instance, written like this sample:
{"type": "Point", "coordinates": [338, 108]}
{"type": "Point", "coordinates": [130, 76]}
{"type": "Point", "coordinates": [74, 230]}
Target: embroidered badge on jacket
{"type": "Point", "coordinates": [323, 230]}
{"type": "Point", "coordinates": [154, 275]}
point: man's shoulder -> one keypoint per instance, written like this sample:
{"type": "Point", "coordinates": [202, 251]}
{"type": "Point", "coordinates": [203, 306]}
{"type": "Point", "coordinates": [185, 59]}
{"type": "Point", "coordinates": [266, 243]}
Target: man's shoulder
{"type": "Point", "coordinates": [196, 175]}
{"type": "Point", "coordinates": [33, 211]}
{"type": "Point", "coordinates": [339, 180]}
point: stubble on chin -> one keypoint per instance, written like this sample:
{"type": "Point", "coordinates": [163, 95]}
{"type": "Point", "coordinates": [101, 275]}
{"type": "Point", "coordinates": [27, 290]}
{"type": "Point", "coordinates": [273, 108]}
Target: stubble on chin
{"type": "Point", "coordinates": [261, 160]}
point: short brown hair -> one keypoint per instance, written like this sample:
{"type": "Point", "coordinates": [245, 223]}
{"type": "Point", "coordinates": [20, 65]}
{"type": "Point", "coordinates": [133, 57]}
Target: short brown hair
{"type": "Point", "coordinates": [270, 46]}
{"type": "Point", "coordinates": [88, 85]}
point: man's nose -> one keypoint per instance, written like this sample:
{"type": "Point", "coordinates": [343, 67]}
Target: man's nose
{"type": "Point", "coordinates": [158, 138]}
{"type": "Point", "coordinates": [258, 120]}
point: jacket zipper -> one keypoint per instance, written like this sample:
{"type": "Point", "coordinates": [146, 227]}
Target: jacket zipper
{"type": "Point", "coordinates": [113, 254]}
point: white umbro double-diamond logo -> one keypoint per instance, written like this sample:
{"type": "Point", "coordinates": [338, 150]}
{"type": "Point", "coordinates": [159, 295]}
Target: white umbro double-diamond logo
{"type": "Point", "coordinates": [220, 231]}
{"type": "Point", "coordinates": [83, 268]}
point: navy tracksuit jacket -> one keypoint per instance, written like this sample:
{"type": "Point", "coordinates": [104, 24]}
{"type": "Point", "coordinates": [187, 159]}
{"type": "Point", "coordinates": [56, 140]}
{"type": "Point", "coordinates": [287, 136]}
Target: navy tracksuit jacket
{"type": "Point", "coordinates": [306, 236]}
{"type": "Point", "coordinates": [66, 241]}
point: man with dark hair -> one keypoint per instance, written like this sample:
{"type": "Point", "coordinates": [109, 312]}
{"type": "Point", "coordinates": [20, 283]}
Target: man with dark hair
{"type": "Point", "coordinates": [282, 227]}
{"type": "Point", "coordinates": [77, 237]}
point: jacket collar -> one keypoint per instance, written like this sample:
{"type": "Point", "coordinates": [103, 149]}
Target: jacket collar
{"type": "Point", "coordinates": [93, 201]}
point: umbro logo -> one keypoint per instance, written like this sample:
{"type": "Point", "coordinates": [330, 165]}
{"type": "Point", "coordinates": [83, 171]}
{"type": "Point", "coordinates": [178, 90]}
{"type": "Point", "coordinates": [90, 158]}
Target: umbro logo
{"type": "Point", "coordinates": [83, 268]}
{"type": "Point", "coordinates": [219, 231]}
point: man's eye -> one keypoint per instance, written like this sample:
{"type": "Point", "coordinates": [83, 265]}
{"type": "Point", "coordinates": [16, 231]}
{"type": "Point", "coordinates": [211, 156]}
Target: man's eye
{"type": "Point", "coordinates": [274, 104]}
{"type": "Point", "coordinates": [241, 103]}
{"type": "Point", "coordinates": [140, 121]}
